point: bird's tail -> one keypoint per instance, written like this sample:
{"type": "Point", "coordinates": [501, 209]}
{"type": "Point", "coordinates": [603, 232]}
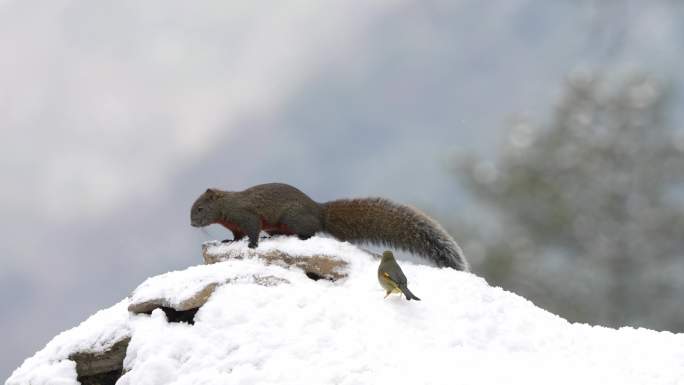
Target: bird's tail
{"type": "Point", "coordinates": [385, 223]}
{"type": "Point", "coordinates": [407, 293]}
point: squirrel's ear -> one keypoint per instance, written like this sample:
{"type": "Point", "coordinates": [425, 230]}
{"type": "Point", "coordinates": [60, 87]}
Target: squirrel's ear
{"type": "Point", "coordinates": [212, 192]}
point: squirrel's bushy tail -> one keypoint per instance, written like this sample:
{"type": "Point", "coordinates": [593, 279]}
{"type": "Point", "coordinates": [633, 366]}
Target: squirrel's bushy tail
{"type": "Point", "coordinates": [385, 223]}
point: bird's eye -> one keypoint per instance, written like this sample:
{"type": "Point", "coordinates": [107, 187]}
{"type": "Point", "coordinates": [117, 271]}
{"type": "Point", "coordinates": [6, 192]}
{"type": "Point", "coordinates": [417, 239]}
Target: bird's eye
{"type": "Point", "coordinates": [199, 209]}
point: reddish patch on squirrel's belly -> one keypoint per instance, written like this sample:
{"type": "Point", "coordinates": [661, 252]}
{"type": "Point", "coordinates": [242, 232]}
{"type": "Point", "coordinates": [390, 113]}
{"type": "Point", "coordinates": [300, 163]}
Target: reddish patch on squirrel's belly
{"type": "Point", "coordinates": [230, 226]}
{"type": "Point", "coordinates": [277, 228]}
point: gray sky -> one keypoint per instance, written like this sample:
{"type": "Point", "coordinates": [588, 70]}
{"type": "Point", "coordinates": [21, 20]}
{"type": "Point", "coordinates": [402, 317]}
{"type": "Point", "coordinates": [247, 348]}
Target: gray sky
{"type": "Point", "coordinates": [114, 116]}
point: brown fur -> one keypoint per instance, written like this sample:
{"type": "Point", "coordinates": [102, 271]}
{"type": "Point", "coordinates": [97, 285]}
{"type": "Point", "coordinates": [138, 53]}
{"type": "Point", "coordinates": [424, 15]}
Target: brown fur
{"type": "Point", "coordinates": [278, 208]}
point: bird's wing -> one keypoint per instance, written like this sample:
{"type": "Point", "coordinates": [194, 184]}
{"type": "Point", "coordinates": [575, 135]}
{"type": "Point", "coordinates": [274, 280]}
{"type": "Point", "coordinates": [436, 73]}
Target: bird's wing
{"type": "Point", "coordinates": [389, 280]}
{"type": "Point", "coordinates": [397, 275]}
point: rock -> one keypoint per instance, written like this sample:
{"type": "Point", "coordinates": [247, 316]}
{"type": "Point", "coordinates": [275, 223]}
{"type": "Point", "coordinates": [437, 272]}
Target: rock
{"type": "Point", "coordinates": [315, 267]}
{"type": "Point", "coordinates": [180, 300]}
{"type": "Point", "coordinates": [101, 368]}
{"type": "Point", "coordinates": [185, 309]}
{"type": "Point", "coordinates": [195, 301]}
{"type": "Point", "coordinates": [269, 280]}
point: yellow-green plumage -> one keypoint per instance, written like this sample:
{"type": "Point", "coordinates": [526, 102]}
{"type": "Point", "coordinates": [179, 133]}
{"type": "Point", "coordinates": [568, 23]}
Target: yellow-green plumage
{"type": "Point", "coordinates": [392, 278]}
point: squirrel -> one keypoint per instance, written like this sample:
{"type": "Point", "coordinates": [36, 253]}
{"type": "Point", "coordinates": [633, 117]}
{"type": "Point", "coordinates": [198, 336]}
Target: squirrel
{"type": "Point", "coordinates": [278, 208]}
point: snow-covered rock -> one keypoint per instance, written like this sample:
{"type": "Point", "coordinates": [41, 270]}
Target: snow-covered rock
{"type": "Point", "coordinates": [315, 263]}
{"type": "Point", "coordinates": [268, 323]}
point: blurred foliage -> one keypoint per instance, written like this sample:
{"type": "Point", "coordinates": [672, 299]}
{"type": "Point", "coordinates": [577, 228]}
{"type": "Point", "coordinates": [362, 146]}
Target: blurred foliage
{"type": "Point", "coordinates": [588, 207]}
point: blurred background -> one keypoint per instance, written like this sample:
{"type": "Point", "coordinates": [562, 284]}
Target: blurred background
{"type": "Point", "coordinates": [546, 135]}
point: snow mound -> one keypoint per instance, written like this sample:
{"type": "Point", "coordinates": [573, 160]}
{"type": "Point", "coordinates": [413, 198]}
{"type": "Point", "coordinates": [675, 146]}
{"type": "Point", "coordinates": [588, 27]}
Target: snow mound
{"type": "Point", "coordinates": [320, 332]}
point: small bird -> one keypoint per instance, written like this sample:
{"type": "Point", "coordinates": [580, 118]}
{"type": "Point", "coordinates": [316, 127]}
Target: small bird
{"type": "Point", "coordinates": [391, 278]}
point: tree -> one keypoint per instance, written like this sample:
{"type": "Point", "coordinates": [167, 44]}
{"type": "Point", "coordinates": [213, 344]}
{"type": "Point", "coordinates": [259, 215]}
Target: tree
{"type": "Point", "coordinates": [589, 207]}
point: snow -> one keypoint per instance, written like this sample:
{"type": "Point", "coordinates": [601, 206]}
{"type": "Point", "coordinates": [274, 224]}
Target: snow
{"type": "Point", "coordinates": [97, 333]}
{"type": "Point", "coordinates": [319, 332]}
